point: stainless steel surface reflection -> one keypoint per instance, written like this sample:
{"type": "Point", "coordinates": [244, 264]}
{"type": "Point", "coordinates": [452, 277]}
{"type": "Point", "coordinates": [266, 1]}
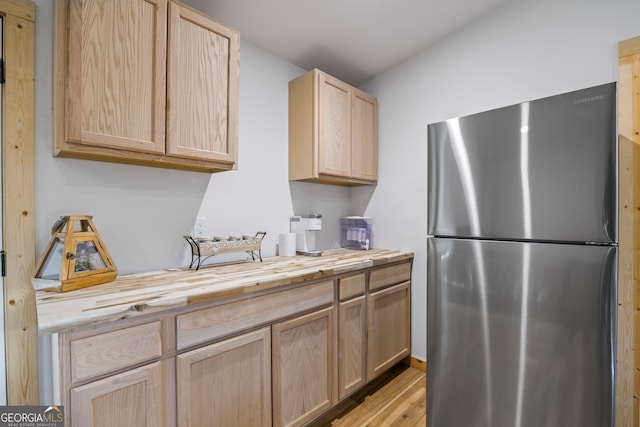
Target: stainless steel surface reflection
{"type": "Point", "coordinates": [520, 172]}
{"type": "Point", "coordinates": [520, 334]}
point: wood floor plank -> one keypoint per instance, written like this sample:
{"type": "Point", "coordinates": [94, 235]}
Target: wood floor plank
{"type": "Point", "coordinates": [404, 411]}
{"type": "Point", "coordinates": [422, 421]}
{"type": "Point", "coordinates": [388, 403]}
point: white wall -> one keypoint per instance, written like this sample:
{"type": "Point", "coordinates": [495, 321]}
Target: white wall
{"type": "Point", "coordinates": [522, 51]}
{"type": "Point", "coordinates": [143, 212]}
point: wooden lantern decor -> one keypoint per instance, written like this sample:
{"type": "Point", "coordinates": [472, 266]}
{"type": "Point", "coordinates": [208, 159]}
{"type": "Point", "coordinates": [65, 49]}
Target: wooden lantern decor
{"type": "Point", "coordinates": [75, 258]}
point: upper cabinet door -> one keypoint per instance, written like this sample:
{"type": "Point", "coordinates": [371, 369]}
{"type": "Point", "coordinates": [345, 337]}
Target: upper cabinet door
{"type": "Point", "coordinates": [333, 131]}
{"type": "Point", "coordinates": [203, 74]}
{"type": "Point", "coordinates": [364, 136]}
{"type": "Point", "coordinates": [116, 74]}
{"type": "Point", "coordinates": [334, 127]}
{"type": "Point", "coordinates": [120, 97]}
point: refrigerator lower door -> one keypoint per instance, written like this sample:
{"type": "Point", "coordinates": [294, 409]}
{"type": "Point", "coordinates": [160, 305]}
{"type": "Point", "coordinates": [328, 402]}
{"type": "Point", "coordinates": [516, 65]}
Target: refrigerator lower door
{"type": "Point", "coordinates": [520, 334]}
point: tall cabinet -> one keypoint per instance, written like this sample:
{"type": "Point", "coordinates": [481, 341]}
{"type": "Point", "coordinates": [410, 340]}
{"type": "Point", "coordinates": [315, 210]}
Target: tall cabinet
{"type": "Point", "coordinates": [150, 82]}
{"type": "Point", "coordinates": [333, 131]}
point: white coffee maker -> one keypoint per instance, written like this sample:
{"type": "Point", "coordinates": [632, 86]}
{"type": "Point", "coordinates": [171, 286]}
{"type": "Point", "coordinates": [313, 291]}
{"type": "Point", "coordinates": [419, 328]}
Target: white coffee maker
{"type": "Point", "coordinates": [305, 227]}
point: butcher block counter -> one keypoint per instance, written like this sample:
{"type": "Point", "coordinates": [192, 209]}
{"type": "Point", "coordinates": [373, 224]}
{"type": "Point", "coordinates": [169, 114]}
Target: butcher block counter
{"type": "Point", "coordinates": [135, 294]}
{"type": "Point", "coordinates": [295, 334]}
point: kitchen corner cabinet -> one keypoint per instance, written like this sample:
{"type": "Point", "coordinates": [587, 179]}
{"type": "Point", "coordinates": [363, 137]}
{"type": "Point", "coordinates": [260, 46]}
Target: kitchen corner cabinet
{"type": "Point", "coordinates": [333, 131]}
{"type": "Point", "coordinates": [147, 82]}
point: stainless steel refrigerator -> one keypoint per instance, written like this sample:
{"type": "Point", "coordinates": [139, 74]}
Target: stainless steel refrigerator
{"type": "Point", "coordinates": [521, 264]}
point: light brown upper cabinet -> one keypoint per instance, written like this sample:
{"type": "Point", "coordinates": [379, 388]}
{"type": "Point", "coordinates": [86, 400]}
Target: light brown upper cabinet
{"type": "Point", "coordinates": [333, 131]}
{"type": "Point", "coordinates": [148, 82]}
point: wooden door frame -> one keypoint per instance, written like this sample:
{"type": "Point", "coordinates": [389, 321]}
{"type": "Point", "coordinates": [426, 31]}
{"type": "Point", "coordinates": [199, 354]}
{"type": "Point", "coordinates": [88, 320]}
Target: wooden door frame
{"type": "Point", "coordinates": [18, 160]}
{"type": "Point", "coordinates": [628, 334]}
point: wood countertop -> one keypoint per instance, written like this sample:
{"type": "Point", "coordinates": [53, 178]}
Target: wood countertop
{"type": "Point", "coordinates": [143, 293]}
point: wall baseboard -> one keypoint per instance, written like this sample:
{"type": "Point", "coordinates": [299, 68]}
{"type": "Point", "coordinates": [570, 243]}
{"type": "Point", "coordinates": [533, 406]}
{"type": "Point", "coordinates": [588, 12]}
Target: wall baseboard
{"type": "Point", "coordinates": [421, 365]}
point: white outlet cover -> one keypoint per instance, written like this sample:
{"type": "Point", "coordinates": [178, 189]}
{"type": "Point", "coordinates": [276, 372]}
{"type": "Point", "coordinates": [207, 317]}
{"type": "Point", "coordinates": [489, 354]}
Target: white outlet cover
{"type": "Point", "coordinates": [200, 228]}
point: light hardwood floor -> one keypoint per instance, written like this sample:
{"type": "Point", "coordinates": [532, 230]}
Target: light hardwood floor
{"type": "Point", "coordinates": [398, 398]}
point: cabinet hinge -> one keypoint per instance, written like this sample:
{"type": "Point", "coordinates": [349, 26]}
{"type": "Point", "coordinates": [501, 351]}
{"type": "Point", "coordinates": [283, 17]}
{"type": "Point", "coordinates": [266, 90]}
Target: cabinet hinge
{"type": "Point", "coordinates": [2, 73]}
{"type": "Point", "coordinates": [3, 261]}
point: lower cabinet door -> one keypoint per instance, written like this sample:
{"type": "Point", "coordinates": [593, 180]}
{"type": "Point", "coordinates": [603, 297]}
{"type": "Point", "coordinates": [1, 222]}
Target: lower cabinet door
{"type": "Point", "coordinates": [351, 346]}
{"type": "Point", "coordinates": [226, 383]}
{"type": "Point", "coordinates": [388, 328]}
{"type": "Point", "coordinates": [303, 368]}
{"type": "Point", "coordinates": [134, 398]}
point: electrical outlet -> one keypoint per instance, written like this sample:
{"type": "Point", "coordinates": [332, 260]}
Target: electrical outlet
{"type": "Point", "coordinates": [201, 226]}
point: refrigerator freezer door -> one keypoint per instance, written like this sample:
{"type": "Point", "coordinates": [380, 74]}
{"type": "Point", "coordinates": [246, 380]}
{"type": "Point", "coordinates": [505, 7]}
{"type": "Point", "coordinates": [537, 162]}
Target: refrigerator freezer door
{"type": "Point", "coordinates": [520, 334]}
{"type": "Point", "coordinates": [541, 170]}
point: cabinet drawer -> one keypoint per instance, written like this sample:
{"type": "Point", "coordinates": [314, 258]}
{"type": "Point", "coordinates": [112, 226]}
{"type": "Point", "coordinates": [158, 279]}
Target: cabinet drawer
{"type": "Point", "coordinates": [111, 351]}
{"type": "Point", "coordinates": [211, 323]}
{"type": "Point", "coordinates": [387, 276]}
{"type": "Point", "coordinates": [351, 286]}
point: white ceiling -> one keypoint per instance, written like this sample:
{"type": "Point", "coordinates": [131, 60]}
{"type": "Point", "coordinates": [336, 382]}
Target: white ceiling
{"type": "Point", "coordinates": [354, 40]}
